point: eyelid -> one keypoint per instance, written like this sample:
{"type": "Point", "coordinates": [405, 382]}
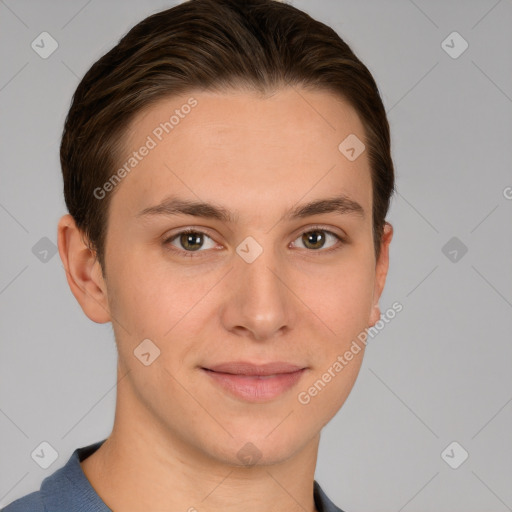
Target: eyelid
{"type": "Point", "coordinates": [319, 227]}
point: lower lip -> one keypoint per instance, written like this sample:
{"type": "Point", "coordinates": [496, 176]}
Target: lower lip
{"type": "Point", "coordinates": [256, 388]}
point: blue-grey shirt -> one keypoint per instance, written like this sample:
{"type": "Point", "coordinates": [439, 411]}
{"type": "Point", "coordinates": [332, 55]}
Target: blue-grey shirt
{"type": "Point", "coordinates": [68, 490]}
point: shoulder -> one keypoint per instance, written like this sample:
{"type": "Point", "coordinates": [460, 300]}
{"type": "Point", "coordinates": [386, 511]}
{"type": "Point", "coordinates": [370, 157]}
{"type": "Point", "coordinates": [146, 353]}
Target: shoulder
{"type": "Point", "coordinates": [30, 503]}
{"type": "Point", "coordinates": [64, 490]}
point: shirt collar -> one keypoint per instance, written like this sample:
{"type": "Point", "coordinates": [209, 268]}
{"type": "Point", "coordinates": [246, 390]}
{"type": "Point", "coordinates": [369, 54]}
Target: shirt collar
{"type": "Point", "coordinates": [68, 488]}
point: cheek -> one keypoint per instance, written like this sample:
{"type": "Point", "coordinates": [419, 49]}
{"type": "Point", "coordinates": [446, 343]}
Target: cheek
{"type": "Point", "coordinates": [324, 393]}
{"type": "Point", "coordinates": [343, 304]}
{"type": "Point", "coordinates": [341, 295]}
{"type": "Point", "coordinates": [154, 299]}
{"type": "Point", "coordinates": [351, 299]}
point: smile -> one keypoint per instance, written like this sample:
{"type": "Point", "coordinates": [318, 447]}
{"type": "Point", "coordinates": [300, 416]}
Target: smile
{"type": "Point", "coordinates": [255, 383]}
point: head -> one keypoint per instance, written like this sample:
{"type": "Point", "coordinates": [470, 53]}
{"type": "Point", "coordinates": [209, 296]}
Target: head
{"type": "Point", "coordinates": [241, 107]}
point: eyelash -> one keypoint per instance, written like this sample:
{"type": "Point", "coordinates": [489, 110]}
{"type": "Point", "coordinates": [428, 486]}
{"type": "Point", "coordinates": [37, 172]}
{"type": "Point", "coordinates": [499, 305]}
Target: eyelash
{"type": "Point", "coordinates": [197, 254]}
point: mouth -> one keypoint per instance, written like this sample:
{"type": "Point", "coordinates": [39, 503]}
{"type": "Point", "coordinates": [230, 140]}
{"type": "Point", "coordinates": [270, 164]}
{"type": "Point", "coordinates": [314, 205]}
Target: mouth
{"type": "Point", "coordinates": [255, 383]}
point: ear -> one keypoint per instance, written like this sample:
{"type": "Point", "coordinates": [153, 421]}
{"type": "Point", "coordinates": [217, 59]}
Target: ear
{"type": "Point", "coordinates": [381, 271]}
{"type": "Point", "coordinates": [83, 271]}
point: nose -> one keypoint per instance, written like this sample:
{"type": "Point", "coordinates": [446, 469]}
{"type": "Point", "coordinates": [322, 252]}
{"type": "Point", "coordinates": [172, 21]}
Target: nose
{"type": "Point", "coordinates": [258, 304]}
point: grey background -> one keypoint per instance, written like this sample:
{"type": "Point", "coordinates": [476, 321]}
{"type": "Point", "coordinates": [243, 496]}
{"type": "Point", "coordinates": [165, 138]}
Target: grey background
{"type": "Point", "coordinates": [439, 372]}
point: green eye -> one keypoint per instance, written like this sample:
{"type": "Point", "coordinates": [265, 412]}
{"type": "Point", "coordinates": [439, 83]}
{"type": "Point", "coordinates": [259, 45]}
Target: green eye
{"type": "Point", "coordinates": [317, 238]}
{"type": "Point", "coordinates": [190, 240]}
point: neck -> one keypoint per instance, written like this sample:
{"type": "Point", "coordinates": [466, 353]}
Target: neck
{"type": "Point", "coordinates": [142, 466]}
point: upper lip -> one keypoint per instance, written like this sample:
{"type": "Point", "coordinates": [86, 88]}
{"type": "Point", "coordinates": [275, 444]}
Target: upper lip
{"type": "Point", "coordinates": [246, 368]}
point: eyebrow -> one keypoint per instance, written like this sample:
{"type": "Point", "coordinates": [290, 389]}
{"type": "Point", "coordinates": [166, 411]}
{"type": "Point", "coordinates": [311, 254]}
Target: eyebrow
{"type": "Point", "coordinates": [176, 206]}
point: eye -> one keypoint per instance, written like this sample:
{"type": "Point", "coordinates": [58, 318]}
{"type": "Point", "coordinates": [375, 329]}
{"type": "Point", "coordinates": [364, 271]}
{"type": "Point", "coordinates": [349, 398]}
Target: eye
{"type": "Point", "coordinates": [190, 240]}
{"type": "Point", "coordinates": [316, 239]}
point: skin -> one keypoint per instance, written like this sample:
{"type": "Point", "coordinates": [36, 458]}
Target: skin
{"type": "Point", "coordinates": [176, 435]}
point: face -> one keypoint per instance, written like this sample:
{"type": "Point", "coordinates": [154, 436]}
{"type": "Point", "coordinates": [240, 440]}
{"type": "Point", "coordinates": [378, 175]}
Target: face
{"type": "Point", "coordinates": [259, 279]}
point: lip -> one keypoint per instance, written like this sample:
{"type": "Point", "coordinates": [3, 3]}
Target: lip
{"type": "Point", "coordinates": [255, 383]}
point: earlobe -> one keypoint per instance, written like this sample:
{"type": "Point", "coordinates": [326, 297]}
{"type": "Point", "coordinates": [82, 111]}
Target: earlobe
{"type": "Point", "coordinates": [374, 315]}
{"type": "Point", "coordinates": [381, 271]}
{"type": "Point", "coordinates": [83, 271]}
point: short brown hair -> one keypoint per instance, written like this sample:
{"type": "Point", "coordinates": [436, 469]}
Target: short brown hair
{"type": "Point", "coordinates": [213, 45]}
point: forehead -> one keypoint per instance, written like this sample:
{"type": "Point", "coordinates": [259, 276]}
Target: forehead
{"type": "Point", "coordinates": [243, 148]}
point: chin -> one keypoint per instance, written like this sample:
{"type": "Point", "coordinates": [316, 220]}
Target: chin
{"type": "Point", "coordinates": [259, 450]}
